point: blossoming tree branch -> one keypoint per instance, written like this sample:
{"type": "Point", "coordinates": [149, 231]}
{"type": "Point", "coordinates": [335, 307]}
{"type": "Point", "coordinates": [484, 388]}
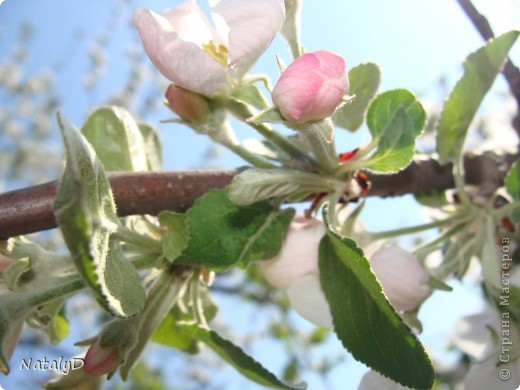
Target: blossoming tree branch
{"type": "Point", "coordinates": [147, 245]}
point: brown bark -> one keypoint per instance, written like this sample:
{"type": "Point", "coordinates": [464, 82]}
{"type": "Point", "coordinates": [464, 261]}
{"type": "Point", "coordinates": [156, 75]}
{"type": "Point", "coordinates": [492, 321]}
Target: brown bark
{"type": "Point", "coordinates": [30, 209]}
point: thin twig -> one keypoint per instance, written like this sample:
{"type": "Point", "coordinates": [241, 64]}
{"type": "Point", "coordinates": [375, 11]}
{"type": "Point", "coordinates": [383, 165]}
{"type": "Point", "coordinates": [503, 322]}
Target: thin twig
{"type": "Point", "coordinates": [31, 209]}
{"type": "Point", "coordinates": [510, 71]}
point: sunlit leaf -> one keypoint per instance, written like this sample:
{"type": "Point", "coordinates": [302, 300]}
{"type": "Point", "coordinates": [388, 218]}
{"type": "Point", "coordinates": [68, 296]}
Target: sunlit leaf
{"type": "Point", "coordinates": [480, 71]}
{"type": "Point", "coordinates": [512, 183]}
{"type": "Point", "coordinates": [242, 362]}
{"type": "Point", "coordinates": [174, 239]}
{"type": "Point", "coordinates": [257, 184]}
{"type": "Point", "coordinates": [116, 139]}
{"type": "Point", "coordinates": [364, 80]}
{"type": "Point", "coordinates": [364, 320]}
{"type": "Point", "coordinates": [86, 215]}
{"type": "Point", "coordinates": [395, 119]}
{"type": "Point", "coordinates": [152, 147]}
{"type": "Point", "coordinates": [222, 234]}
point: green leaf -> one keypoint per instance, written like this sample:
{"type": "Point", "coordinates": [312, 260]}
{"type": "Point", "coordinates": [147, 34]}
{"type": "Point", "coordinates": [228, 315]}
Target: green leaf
{"type": "Point", "coordinates": [250, 95]}
{"type": "Point", "coordinates": [116, 139]}
{"type": "Point", "coordinates": [58, 326]}
{"type": "Point", "coordinates": [512, 183]}
{"type": "Point", "coordinates": [364, 320]}
{"type": "Point", "coordinates": [242, 362]}
{"type": "Point", "coordinates": [364, 81]}
{"type": "Point", "coordinates": [270, 115]}
{"type": "Point", "coordinates": [172, 333]}
{"type": "Point", "coordinates": [174, 239]}
{"type": "Point", "coordinates": [395, 119]}
{"type": "Point", "coordinates": [480, 71]}
{"type": "Point", "coordinates": [257, 184]}
{"type": "Point", "coordinates": [86, 215]}
{"type": "Point", "coordinates": [222, 234]}
{"type": "Point", "coordinates": [152, 147]}
{"type": "Point", "coordinates": [36, 269]}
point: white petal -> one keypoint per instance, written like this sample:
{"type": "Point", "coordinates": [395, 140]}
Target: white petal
{"type": "Point", "coordinates": [472, 335]}
{"type": "Point", "coordinates": [372, 380]}
{"type": "Point", "coordinates": [299, 253]}
{"type": "Point", "coordinates": [308, 300]}
{"type": "Point", "coordinates": [184, 63]}
{"type": "Point", "coordinates": [191, 25]}
{"type": "Point", "coordinates": [253, 24]}
{"type": "Point", "coordinates": [486, 376]}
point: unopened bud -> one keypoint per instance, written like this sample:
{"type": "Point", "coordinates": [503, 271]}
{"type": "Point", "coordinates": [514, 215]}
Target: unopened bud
{"type": "Point", "coordinates": [189, 105]}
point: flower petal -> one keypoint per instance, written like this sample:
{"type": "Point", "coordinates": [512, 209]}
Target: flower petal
{"type": "Point", "coordinates": [299, 254]}
{"type": "Point", "coordinates": [404, 281]}
{"type": "Point", "coordinates": [191, 25]}
{"type": "Point", "coordinates": [184, 63]}
{"type": "Point", "coordinates": [311, 87]}
{"type": "Point", "coordinates": [252, 24]}
{"type": "Point", "coordinates": [373, 380]}
{"type": "Point", "coordinates": [308, 300]}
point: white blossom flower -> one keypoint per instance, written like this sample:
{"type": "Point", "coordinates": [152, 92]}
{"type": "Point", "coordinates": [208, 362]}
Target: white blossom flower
{"type": "Point", "coordinates": [295, 270]}
{"type": "Point", "coordinates": [193, 54]}
{"type": "Point", "coordinates": [404, 281]}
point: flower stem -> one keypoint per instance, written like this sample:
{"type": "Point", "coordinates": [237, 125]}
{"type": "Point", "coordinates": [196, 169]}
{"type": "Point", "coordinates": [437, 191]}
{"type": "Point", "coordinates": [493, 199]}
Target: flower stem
{"type": "Point", "coordinates": [458, 176]}
{"type": "Point", "coordinates": [277, 139]}
{"type": "Point", "coordinates": [413, 229]}
{"type": "Point", "coordinates": [196, 301]}
{"type": "Point", "coordinates": [323, 149]}
{"type": "Point", "coordinates": [130, 236]}
{"type": "Point", "coordinates": [250, 157]}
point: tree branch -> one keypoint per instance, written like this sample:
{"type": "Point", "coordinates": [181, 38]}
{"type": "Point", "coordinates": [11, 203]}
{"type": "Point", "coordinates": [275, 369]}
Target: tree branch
{"type": "Point", "coordinates": [30, 209]}
{"type": "Point", "coordinates": [510, 71]}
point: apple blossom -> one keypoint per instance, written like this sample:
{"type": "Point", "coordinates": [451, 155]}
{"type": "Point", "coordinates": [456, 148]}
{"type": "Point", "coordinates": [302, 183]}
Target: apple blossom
{"type": "Point", "coordinates": [295, 270]}
{"type": "Point", "coordinates": [476, 336]}
{"type": "Point", "coordinates": [299, 254]}
{"type": "Point", "coordinates": [188, 51]}
{"type": "Point", "coordinates": [308, 300]}
{"type": "Point", "coordinates": [99, 360]}
{"type": "Point", "coordinates": [189, 105]}
{"type": "Point", "coordinates": [404, 281]}
{"type": "Point", "coordinates": [311, 87]}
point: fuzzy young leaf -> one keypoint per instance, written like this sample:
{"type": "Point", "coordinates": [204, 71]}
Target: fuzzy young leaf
{"type": "Point", "coordinates": [270, 115]}
{"type": "Point", "coordinates": [364, 81]}
{"type": "Point", "coordinates": [116, 139]}
{"type": "Point", "coordinates": [222, 234]}
{"type": "Point", "coordinates": [152, 147]}
{"type": "Point", "coordinates": [250, 95]}
{"type": "Point", "coordinates": [395, 119]}
{"type": "Point", "coordinates": [364, 320]}
{"type": "Point", "coordinates": [512, 183]}
{"type": "Point", "coordinates": [173, 334]}
{"type": "Point", "coordinates": [174, 239]}
{"type": "Point", "coordinates": [242, 362]}
{"type": "Point", "coordinates": [257, 184]}
{"type": "Point", "coordinates": [480, 71]}
{"type": "Point", "coordinates": [86, 215]}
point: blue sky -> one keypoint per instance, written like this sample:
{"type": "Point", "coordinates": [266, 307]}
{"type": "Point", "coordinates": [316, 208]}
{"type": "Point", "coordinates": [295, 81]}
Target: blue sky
{"type": "Point", "coordinates": [414, 42]}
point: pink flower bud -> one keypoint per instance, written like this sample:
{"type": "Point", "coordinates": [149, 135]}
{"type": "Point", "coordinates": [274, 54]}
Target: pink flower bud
{"type": "Point", "coordinates": [311, 87]}
{"type": "Point", "coordinates": [404, 281]}
{"type": "Point", "coordinates": [100, 361]}
{"type": "Point", "coordinates": [187, 104]}
{"type": "Point", "coordinates": [299, 254]}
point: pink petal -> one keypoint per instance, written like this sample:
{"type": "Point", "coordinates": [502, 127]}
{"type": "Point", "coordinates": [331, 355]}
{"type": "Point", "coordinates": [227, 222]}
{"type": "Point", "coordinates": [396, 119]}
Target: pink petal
{"type": "Point", "coordinates": [311, 87]}
{"type": "Point", "coordinates": [184, 63]}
